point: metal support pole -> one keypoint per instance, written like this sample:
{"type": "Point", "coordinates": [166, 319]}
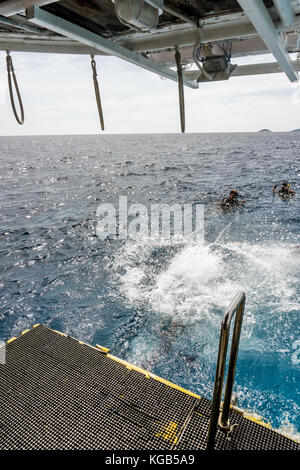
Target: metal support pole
{"type": "Point", "coordinates": [285, 11]}
{"type": "Point", "coordinates": [47, 20]}
{"type": "Point", "coordinates": [180, 15]}
{"type": "Point", "coordinates": [259, 16]}
{"type": "Point", "coordinates": [11, 7]}
{"type": "Point", "coordinates": [22, 26]}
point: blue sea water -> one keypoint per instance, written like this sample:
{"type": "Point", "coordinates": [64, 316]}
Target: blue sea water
{"type": "Point", "coordinates": [159, 303]}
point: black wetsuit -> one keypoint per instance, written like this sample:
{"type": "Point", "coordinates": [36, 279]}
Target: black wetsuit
{"type": "Point", "coordinates": [285, 192]}
{"type": "Point", "coordinates": [230, 203]}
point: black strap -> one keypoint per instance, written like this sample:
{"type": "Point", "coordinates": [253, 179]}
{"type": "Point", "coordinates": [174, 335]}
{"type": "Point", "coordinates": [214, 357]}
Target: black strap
{"type": "Point", "coordinates": [180, 89]}
{"type": "Point", "coordinates": [97, 92]}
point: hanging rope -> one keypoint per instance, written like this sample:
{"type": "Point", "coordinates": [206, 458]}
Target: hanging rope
{"type": "Point", "coordinates": [180, 88]}
{"type": "Point", "coordinates": [97, 92]}
{"type": "Point", "coordinates": [12, 80]}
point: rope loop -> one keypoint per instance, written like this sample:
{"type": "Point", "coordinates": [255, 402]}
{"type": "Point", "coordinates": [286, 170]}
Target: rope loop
{"type": "Point", "coordinates": [12, 81]}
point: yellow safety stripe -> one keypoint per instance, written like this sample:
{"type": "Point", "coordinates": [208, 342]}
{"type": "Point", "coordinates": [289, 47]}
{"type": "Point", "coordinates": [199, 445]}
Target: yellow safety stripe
{"type": "Point", "coordinates": [11, 340]}
{"type": "Point", "coordinates": [102, 348]}
{"type": "Point", "coordinates": [24, 332]}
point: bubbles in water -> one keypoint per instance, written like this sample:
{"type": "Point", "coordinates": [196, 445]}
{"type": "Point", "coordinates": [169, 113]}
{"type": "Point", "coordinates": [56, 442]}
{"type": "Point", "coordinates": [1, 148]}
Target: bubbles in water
{"type": "Point", "coordinates": [183, 288]}
{"type": "Point", "coordinates": [189, 280]}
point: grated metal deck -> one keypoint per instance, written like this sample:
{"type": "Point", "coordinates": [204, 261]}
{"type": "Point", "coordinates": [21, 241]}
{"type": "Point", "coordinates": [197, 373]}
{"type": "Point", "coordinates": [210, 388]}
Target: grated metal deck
{"type": "Point", "coordinates": [59, 393]}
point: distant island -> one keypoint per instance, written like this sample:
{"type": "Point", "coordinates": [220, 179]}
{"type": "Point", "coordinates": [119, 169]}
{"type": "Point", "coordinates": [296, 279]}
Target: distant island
{"type": "Point", "coordinates": [296, 130]}
{"type": "Point", "coordinates": [265, 130]}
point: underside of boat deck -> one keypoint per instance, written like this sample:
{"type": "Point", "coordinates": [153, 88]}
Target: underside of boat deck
{"type": "Point", "coordinates": [59, 393]}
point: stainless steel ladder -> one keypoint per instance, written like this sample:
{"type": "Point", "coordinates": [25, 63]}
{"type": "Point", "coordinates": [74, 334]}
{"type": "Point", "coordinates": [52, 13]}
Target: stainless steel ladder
{"type": "Point", "coordinates": [220, 417]}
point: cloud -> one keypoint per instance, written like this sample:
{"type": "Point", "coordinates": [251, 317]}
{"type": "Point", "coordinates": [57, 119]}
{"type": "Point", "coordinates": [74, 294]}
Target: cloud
{"type": "Point", "coordinates": [58, 97]}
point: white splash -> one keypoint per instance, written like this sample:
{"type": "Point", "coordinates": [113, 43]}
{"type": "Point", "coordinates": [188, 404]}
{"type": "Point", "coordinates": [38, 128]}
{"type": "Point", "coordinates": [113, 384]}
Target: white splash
{"type": "Point", "coordinates": [200, 278]}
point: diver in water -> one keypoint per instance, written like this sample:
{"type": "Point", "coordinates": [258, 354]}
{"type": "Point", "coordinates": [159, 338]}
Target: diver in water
{"type": "Point", "coordinates": [285, 191]}
{"type": "Point", "coordinates": [231, 202]}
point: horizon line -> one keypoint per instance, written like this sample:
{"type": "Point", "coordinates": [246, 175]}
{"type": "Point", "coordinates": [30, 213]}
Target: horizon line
{"type": "Point", "coordinates": [150, 133]}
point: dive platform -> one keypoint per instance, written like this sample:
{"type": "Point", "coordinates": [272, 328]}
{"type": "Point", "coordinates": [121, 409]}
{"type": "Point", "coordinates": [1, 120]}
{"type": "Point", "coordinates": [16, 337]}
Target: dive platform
{"type": "Point", "coordinates": [60, 393]}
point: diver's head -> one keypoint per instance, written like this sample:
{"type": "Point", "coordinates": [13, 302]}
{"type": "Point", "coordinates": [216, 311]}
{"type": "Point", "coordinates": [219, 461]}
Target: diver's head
{"type": "Point", "coordinates": [233, 193]}
{"type": "Point", "coordinates": [285, 184]}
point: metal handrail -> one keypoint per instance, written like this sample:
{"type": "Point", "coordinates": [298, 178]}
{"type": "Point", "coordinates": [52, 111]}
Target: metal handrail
{"type": "Point", "coordinates": [216, 418]}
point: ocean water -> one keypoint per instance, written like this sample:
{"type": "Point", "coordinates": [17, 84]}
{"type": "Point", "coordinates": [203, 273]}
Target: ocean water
{"type": "Point", "coordinates": [159, 303]}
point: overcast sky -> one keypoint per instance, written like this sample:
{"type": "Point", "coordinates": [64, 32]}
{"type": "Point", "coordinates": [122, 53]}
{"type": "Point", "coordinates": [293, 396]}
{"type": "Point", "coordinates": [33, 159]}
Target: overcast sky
{"type": "Point", "coordinates": [58, 98]}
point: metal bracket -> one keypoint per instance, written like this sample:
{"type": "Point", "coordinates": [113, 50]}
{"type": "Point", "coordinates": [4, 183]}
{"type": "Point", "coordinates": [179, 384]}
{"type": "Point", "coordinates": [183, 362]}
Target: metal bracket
{"type": "Point", "coordinates": [262, 21]}
{"type": "Point", "coordinates": [159, 4]}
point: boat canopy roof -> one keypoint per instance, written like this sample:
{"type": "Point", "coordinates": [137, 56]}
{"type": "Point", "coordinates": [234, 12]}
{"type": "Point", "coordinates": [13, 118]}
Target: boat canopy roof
{"type": "Point", "coordinates": [146, 32]}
